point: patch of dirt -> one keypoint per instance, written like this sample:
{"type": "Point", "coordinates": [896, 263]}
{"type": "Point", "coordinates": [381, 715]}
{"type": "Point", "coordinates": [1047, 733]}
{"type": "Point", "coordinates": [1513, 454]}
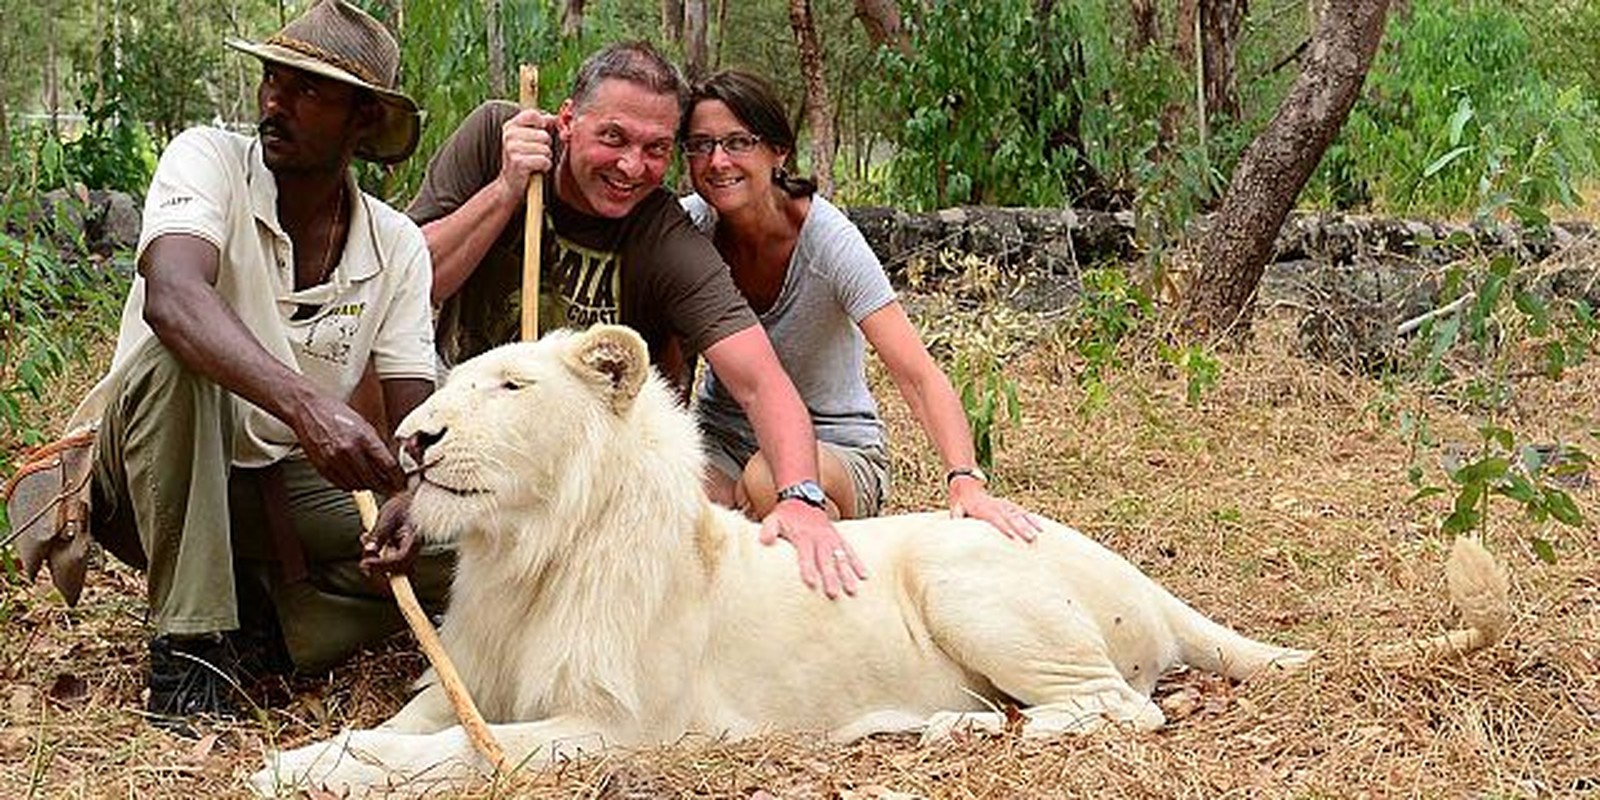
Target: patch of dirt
{"type": "Point", "coordinates": [1278, 505]}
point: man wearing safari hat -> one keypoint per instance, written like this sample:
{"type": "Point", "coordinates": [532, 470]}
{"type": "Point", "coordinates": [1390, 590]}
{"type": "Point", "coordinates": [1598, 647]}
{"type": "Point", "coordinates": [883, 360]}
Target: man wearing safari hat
{"type": "Point", "coordinates": [268, 284]}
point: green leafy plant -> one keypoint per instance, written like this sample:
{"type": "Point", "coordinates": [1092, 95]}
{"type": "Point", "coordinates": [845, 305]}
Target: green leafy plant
{"type": "Point", "coordinates": [1472, 354]}
{"type": "Point", "coordinates": [1198, 367]}
{"type": "Point", "coordinates": [988, 397]}
{"type": "Point", "coordinates": [1522, 474]}
{"type": "Point", "coordinates": [58, 300]}
{"type": "Point", "coordinates": [1000, 101]}
{"type": "Point", "coordinates": [1109, 309]}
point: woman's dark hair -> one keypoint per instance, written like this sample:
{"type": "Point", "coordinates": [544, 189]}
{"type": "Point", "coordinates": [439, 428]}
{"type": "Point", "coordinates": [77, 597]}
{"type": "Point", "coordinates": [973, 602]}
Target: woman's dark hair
{"type": "Point", "coordinates": [756, 105]}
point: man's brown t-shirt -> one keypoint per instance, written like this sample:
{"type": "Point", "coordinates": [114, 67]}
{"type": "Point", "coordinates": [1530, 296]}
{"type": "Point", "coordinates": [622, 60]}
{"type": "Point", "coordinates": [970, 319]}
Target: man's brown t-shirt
{"type": "Point", "coordinates": [651, 270]}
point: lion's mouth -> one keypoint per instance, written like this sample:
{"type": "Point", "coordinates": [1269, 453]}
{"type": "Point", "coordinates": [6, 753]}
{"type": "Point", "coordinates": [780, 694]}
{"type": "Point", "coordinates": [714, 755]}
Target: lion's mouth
{"type": "Point", "coordinates": [459, 491]}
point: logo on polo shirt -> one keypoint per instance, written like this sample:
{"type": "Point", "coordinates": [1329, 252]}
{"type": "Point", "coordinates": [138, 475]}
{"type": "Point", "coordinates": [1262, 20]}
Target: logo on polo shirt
{"type": "Point", "coordinates": [330, 336]}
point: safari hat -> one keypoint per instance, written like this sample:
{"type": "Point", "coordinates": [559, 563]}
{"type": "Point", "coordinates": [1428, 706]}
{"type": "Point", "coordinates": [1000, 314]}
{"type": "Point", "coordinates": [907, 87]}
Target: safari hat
{"type": "Point", "coordinates": [342, 42]}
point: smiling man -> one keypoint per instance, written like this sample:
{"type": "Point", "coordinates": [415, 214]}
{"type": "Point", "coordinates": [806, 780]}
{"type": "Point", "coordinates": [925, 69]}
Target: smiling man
{"type": "Point", "coordinates": [617, 249]}
{"type": "Point", "coordinates": [268, 286]}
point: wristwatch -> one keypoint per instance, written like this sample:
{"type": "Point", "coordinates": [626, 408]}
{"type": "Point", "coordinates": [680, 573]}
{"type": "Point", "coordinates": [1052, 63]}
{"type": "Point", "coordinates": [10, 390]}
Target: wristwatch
{"type": "Point", "coordinates": [976, 473]}
{"type": "Point", "coordinates": [807, 492]}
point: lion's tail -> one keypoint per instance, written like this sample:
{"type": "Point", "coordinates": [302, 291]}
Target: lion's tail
{"type": "Point", "coordinates": [1480, 589]}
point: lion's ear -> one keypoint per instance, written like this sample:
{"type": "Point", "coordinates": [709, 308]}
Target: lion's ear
{"type": "Point", "coordinates": [615, 357]}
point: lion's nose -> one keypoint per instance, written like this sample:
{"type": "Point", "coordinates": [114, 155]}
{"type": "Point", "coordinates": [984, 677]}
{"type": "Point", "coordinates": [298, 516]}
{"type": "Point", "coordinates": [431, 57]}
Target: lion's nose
{"type": "Point", "coordinates": [417, 444]}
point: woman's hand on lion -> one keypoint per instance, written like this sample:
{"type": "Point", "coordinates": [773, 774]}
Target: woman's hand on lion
{"type": "Point", "coordinates": [969, 498]}
{"type": "Point", "coordinates": [826, 559]}
{"type": "Point", "coordinates": [391, 547]}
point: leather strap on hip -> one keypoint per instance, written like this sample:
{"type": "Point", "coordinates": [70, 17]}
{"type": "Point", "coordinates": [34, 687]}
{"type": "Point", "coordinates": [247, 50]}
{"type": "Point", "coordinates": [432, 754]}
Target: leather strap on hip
{"type": "Point", "coordinates": [285, 543]}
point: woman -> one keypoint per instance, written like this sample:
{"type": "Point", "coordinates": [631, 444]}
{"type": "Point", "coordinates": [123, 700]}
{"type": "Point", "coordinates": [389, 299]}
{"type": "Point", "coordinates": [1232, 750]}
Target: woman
{"type": "Point", "coordinates": [808, 273]}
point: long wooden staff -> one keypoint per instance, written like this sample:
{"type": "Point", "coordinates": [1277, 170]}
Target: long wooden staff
{"type": "Point", "coordinates": [533, 224]}
{"type": "Point", "coordinates": [428, 639]}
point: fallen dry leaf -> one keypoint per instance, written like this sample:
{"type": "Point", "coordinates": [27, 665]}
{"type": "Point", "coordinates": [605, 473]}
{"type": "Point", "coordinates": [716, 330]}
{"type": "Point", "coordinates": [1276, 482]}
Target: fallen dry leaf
{"type": "Point", "coordinates": [202, 748]}
{"type": "Point", "coordinates": [68, 688]}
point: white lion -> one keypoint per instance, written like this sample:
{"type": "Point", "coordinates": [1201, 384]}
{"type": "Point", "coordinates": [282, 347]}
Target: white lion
{"type": "Point", "coordinates": [601, 600]}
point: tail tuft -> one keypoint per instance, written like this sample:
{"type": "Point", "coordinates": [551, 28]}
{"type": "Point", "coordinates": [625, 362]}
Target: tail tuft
{"type": "Point", "coordinates": [1479, 588]}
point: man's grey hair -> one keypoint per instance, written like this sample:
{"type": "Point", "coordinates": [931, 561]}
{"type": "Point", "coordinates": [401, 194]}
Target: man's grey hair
{"type": "Point", "coordinates": [638, 62]}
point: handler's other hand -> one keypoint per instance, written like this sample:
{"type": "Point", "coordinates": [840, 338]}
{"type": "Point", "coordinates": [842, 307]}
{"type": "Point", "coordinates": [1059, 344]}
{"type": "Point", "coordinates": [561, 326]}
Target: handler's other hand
{"type": "Point", "coordinates": [344, 448]}
{"type": "Point", "coordinates": [524, 150]}
{"type": "Point", "coordinates": [826, 559]}
{"type": "Point", "coordinates": [391, 547]}
{"type": "Point", "coordinates": [969, 498]}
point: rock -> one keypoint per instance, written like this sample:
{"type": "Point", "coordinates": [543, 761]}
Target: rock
{"type": "Point", "coordinates": [123, 219]}
{"type": "Point", "coordinates": [99, 221]}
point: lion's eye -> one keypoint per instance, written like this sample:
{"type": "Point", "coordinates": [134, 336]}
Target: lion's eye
{"type": "Point", "coordinates": [513, 385]}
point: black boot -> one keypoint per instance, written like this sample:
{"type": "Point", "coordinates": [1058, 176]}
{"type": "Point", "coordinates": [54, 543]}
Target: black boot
{"type": "Point", "coordinates": [258, 643]}
{"type": "Point", "coordinates": [191, 677]}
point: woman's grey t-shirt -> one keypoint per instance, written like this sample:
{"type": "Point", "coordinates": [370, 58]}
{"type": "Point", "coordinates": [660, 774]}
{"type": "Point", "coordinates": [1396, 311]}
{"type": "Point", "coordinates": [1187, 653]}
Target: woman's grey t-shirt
{"type": "Point", "coordinates": [834, 281]}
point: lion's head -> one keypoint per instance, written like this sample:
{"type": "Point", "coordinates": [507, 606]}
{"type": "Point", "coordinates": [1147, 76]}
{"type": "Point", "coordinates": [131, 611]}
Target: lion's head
{"type": "Point", "coordinates": [531, 430]}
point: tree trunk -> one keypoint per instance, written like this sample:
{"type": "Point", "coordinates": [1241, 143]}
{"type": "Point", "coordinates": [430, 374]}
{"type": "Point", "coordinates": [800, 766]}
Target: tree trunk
{"type": "Point", "coordinates": [52, 98]}
{"type": "Point", "coordinates": [497, 48]}
{"type": "Point", "coordinates": [722, 31]}
{"type": "Point", "coordinates": [5, 131]}
{"type": "Point", "coordinates": [1085, 185]}
{"type": "Point", "coordinates": [571, 18]}
{"type": "Point", "coordinates": [1220, 22]}
{"type": "Point", "coordinates": [1276, 166]}
{"type": "Point", "coordinates": [696, 34]}
{"type": "Point", "coordinates": [1183, 30]}
{"type": "Point", "coordinates": [672, 20]}
{"type": "Point", "coordinates": [881, 19]}
{"type": "Point", "coordinates": [1146, 24]}
{"type": "Point", "coordinates": [819, 112]}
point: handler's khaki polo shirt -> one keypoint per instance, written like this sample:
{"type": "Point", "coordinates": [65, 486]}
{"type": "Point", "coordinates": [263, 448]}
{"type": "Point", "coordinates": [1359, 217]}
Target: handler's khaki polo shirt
{"type": "Point", "coordinates": [213, 184]}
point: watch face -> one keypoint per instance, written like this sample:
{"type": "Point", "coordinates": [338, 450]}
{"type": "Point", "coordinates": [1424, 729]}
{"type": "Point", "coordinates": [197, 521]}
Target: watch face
{"type": "Point", "coordinates": [813, 493]}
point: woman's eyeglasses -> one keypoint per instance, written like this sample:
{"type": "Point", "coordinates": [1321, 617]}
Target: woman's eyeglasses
{"type": "Point", "coordinates": [734, 144]}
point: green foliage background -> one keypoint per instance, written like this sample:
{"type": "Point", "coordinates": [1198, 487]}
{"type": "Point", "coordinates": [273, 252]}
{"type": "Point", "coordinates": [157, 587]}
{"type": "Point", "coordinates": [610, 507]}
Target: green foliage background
{"type": "Point", "coordinates": [1495, 98]}
{"type": "Point", "coordinates": [1473, 108]}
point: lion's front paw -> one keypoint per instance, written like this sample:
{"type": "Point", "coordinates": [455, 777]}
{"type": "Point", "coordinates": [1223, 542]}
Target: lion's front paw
{"type": "Point", "coordinates": [356, 762]}
{"type": "Point", "coordinates": [331, 765]}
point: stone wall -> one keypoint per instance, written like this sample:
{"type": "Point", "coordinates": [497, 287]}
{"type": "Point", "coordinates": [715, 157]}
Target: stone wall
{"type": "Point", "coordinates": [1350, 279]}
{"type": "Point", "coordinates": [1061, 241]}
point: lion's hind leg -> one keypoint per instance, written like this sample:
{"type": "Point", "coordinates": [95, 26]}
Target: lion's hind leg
{"type": "Point", "coordinates": [429, 712]}
{"type": "Point", "coordinates": [1041, 652]}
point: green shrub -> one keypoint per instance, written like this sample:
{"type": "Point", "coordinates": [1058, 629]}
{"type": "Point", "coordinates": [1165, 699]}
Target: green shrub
{"type": "Point", "coordinates": [1476, 355]}
{"type": "Point", "coordinates": [991, 97]}
{"type": "Point", "coordinates": [1456, 115]}
{"type": "Point", "coordinates": [58, 301]}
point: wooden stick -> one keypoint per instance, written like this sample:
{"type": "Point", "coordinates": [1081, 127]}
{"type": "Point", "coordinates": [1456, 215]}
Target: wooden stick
{"type": "Point", "coordinates": [533, 224]}
{"type": "Point", "coordinates": [421, 627]}
{"type": "Point", "coordinates": [466, 710]}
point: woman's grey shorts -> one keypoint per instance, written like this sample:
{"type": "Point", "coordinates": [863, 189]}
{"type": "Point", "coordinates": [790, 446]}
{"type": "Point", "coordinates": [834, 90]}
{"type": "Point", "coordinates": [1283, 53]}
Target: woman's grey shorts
{"type": "Point", "coordinates": [868, 467]}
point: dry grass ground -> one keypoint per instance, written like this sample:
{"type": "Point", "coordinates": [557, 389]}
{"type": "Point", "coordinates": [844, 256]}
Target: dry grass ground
{"type": "Point", "coordinates": [1278, 505]}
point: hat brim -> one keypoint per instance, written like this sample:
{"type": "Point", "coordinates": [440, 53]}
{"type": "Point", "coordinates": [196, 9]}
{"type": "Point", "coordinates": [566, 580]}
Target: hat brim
{"type": "Point", "coordinates": [401, 127]}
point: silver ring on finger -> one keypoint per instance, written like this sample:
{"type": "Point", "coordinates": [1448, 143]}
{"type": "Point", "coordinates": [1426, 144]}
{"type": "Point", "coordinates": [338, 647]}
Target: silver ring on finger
{"type": "Point", "coordinates": [839, 554]}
